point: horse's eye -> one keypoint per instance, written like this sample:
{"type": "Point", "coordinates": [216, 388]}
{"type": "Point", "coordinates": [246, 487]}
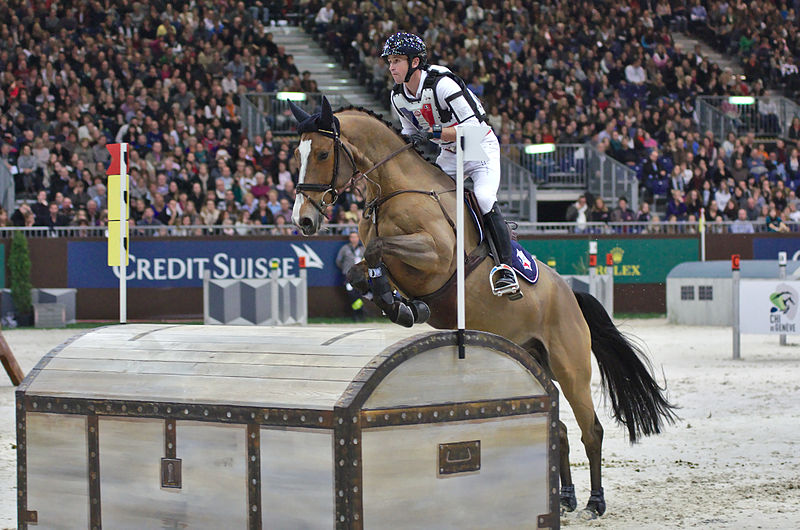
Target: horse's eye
{"type": "Point", "coordinates": [322, 156]}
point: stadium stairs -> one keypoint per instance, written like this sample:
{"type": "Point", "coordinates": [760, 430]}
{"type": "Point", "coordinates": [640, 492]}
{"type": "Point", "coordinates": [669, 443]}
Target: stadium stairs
{"type": "Point", "coordinates": [331, 77]}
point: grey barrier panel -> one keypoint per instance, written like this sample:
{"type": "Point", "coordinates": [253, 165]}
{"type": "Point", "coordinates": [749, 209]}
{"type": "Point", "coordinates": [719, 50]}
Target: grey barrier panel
{"type": "Point", "coordinates": [57, 296]}
{"type": "Point", "coordinates": [49, 315]}
{"type": "Point", "coordinates": [601, 286]}
{"type": "Point", "coordinates": [266, 302]}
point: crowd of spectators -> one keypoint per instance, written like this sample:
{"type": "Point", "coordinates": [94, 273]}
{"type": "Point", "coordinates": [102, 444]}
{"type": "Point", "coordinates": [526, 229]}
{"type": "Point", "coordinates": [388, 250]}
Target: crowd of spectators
{"type": "Point", "coordinates": [548, 71]}
{"type": "Point", "coordinates": [601, 72]}
{"type": "Point", "coordinates": [762, 34]}
{"type": "Point", "coordinates": [166, 77]}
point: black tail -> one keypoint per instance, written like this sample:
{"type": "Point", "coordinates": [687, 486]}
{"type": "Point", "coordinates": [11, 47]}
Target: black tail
{"type": "Point", "coordinates": [625, 373]}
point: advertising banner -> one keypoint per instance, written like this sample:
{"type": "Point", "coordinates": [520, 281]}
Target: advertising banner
{"type": "Point", "coordinates": [172, 263]}
{"type": "Point", "coordinates": [769, 306]}
{"type": "Point", "coordinates": [768, 247]}
{"type": "Point", "coordinates": [635, 260]}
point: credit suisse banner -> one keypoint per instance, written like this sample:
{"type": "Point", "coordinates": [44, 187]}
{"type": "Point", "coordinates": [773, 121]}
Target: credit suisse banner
{"type": "Point", "coordinates": [768, 247]}
{"type": "Point", "coordinates": [769, 306]}
{"type": "Point", "coordinates": [183, 263]}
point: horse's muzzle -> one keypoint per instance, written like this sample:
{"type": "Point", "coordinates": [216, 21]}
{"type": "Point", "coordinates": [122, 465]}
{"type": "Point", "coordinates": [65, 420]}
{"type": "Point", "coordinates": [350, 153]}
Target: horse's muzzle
{"type": "Point", "coordinates": [307, 226]}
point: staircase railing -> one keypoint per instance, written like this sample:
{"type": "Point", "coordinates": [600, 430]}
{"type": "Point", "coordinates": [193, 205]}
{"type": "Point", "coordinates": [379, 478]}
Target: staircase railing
{"type": "Point", "coordinates": [262, 111]}
{"type": "Point", "coordinates": [579, 166]}
{"type": "Point", "coordinates": [610, 178]}
{"type": "Point", "coordinates": [765, 116]}
{"type": "Point", "coordinates": [517, 191]}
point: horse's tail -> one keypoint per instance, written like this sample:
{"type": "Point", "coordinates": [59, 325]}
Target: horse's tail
{"type": "Point", "coordinates": [637, 400]}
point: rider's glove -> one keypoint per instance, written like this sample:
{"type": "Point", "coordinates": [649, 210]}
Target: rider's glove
{"type": "Point", "coordinates": [419, 138]}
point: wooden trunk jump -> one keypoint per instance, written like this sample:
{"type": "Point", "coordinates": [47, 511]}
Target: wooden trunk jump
{"type": "Point", "coordinates": [144, 426]}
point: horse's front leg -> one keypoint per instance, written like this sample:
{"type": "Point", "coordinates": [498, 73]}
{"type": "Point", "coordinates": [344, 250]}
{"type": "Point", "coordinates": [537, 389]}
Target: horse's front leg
{"type": "Point", "coordinates": [417, 251]}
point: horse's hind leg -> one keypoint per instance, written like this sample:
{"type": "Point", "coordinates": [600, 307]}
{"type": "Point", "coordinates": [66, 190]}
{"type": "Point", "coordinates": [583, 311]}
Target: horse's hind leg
{"type": "Point", "coordinates": [568, 500]}
{"type": "Point", "coordinates": [571, 365]}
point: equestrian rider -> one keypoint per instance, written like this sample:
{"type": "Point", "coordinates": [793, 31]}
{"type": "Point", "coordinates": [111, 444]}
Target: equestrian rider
{"type": "Point", "coordinates": [431, 101]}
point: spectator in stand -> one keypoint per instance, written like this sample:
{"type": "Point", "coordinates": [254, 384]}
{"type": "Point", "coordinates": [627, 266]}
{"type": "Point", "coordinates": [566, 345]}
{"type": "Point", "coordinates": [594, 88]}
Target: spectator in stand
{"type": "Point", "coordinates": [742, 225]}
{"type": "Point", "coordinates": [644, 215]}
{"type": "Point", "coordinates": [285, 210]}
{"type": "Point", "coordinates": [676, 207]}
{"type": "Point", "coordinates": [324, 17]}
{"type": "Point", "coordinates": [622, 214]}
{"type": "Point", "coordinates": [578, 213]}
{"type": "Point", "coordinates": [273, 203]}
{"type": "Point", "coordinates": [600, 212]}
{"type": "Point", "coordinates": [54, 218]}
{"type": "Point", "coordinates": [774, 223]}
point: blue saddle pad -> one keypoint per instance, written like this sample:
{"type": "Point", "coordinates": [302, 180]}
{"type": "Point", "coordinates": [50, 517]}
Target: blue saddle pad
{"type": "Point", "coordinates": [524, 263]}
{"type": "Point", "coordinates": [521, 259]}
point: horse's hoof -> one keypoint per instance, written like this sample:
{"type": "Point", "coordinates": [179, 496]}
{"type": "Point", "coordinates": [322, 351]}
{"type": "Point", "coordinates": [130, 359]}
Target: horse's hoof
{"type": "Point", "coordinates": [421, 311]}
{"type": "Point", "coordinates": [568, 500]}
{"type": "Point", "coordinates": [403, 315]}
{"type": "Point", "coordinates": [596, 505]}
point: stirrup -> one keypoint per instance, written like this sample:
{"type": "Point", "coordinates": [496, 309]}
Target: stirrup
{"type": "Point", "coordinates": [511, 288]}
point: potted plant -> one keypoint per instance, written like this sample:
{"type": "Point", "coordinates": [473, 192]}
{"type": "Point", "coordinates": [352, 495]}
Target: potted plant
{"type": "Point", "coordinates": [19, 267]}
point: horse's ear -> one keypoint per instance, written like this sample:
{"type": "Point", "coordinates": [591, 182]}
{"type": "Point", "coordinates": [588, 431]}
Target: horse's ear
{"type": "Point", "coordinates": [326, 115]}
{"type": "Point", "coordinates": [299, 114]}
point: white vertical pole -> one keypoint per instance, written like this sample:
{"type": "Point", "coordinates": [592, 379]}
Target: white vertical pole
{"type": "Point", "coordinates": [702, 226]}
{"type": "Point", "coordinates": [608, 286]}
{"type": "Point", "coordinates": [593, 268]}
{"type": "Point", "coordinates": [460, 239]}
{"type": "Point", "coordinates": [123, 251]}
{"type": "Point", "coordinates": [782, 275]}
{"type": "Point", "coordinates": [735, 307]}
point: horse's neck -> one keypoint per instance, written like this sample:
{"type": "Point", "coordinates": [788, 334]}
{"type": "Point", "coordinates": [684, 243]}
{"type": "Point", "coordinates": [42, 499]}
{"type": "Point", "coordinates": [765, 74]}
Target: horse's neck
{"type": "Point", "coordinates": [372, 142]}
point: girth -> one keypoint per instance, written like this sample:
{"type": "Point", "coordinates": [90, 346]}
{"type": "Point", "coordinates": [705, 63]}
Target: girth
{"type": "Point", "coordinates": [446, 294]}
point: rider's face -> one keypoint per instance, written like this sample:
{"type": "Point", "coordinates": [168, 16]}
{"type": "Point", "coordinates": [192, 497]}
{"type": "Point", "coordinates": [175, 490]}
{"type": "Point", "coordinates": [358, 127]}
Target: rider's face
{"type": "Point", "coordinates": [398, 67]}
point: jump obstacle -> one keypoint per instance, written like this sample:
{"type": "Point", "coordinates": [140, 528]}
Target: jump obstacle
{"type": "Point", "coordinates": [141, 426]}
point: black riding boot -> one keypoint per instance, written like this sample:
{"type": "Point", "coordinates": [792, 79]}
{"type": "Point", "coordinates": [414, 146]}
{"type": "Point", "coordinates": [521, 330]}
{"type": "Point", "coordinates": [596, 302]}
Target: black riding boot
{"type": "Point", "coordinates": [502, 241]}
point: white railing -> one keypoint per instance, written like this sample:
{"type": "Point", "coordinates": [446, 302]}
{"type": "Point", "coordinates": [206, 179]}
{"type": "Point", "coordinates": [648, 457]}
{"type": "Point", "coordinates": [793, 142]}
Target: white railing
{"type": "Point", "coordinates": [523, 228]}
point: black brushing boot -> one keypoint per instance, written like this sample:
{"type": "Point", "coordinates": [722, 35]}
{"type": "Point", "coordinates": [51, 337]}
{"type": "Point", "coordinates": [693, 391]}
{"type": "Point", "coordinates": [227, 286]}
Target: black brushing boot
{"type": "Point", "coordinates": [385, 298]}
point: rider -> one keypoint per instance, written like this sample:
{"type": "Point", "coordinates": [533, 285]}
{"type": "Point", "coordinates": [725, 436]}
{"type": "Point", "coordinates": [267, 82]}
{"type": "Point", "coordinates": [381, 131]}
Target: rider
{"type": "Point", "coordinates": [431, 101]}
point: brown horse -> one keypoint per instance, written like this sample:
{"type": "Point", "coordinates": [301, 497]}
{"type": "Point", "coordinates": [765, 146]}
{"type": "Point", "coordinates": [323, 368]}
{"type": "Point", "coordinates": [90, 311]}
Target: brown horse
{"type": "Point", "coordinates": [408, 225]}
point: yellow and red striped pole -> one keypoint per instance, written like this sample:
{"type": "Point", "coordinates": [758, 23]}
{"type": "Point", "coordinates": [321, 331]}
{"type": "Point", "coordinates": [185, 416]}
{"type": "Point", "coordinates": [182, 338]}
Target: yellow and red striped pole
{"type": "Point", "coordinates": [118, 212]}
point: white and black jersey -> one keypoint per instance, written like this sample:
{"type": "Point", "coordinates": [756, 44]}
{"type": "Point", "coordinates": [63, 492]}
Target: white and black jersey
{"type": "Point", "coordinates": [441, 99]}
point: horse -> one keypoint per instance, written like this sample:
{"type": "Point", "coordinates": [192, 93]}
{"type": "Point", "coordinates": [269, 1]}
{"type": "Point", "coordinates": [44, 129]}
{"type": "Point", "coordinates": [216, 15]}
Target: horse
{"type": "Point", "coordinates": [407, 225]}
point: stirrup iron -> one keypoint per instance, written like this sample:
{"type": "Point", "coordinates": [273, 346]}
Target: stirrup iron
{"type": "Point", "coordinates": [511, 289]}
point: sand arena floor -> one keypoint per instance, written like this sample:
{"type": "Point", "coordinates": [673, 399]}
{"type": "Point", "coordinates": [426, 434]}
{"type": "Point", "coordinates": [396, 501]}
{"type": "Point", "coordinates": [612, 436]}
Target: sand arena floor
{"type": "Point", "coordinates": [732, 461]}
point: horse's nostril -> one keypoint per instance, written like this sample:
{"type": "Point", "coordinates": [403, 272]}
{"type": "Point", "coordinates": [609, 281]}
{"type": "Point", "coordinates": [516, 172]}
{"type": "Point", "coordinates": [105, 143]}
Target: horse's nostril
{"type": "Point", "coordinates": [306, 222]}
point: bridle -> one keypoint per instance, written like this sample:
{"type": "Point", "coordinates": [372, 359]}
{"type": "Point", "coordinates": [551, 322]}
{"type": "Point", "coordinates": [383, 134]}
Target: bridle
{"type": "Point", "coordinates": [330, 190]}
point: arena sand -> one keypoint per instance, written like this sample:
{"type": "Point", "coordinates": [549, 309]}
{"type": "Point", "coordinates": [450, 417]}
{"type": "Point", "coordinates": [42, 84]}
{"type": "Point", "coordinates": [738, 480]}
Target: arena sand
{"type": "Point", "coordinates": [731, 461]}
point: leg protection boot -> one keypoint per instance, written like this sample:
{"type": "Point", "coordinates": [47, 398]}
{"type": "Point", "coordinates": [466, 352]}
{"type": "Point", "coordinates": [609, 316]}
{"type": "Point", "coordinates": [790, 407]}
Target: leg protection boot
{"type": "Point", "coordinates": [388, 300]}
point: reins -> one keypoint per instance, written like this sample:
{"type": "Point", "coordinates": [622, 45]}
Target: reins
{"type": "Point", "coordinates": [371, 208]}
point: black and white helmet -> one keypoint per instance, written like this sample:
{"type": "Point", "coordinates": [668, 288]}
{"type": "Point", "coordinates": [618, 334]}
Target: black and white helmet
{"type": "Point", "coordinates": [409, 45]}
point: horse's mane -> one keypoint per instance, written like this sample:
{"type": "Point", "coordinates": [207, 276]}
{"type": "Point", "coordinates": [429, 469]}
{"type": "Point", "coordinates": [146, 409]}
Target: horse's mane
{"type": "Point", "coordinates": [389, 125]}
{"type": "Point", "coordinates": [375, 115]}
